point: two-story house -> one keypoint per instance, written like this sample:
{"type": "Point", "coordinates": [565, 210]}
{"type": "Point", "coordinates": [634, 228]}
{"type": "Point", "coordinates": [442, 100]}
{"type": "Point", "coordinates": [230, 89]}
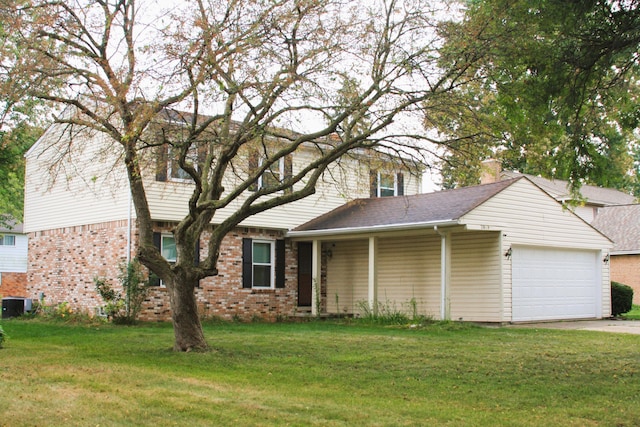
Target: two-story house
{"type": "Point", "coordinates": [79, 216]}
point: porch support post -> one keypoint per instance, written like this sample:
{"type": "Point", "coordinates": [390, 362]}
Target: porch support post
{"type": "Point", "coordinates": [316, 276]}
{"type": "Point", "coordinates": [373, 274]}
{"type": "Point", "coordinates": [445, 273]}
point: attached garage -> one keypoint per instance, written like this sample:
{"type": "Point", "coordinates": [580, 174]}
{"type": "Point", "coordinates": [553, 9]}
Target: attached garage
{"type": "Point", "coordinates": [501, 252]}
{"type": "Point", "coordinates": [554, 284]}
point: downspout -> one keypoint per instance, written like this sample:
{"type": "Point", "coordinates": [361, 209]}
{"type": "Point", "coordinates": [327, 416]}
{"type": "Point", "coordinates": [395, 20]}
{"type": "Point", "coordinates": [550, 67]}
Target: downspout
{"type": "Point", "coordinates": [129, 229]}
{"type": "Point", "coordinates": [444, 274]}
{"type": "Point", "coordinates": [128, 248]}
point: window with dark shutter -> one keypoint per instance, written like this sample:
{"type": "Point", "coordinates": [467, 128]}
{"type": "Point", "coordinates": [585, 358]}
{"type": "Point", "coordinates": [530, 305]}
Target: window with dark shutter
{"type": "Point", "coordinates": [399, 184]}
{"type": "Point", "coordinates": [259, 268]}
{"type": "Point", "coordinates": [161, 162]}
{"type": "Point", "coordinates": [280, 263]}
{"type": "Point", "coordinates": [247, 263]}
{"type": "Point", "coordinates": [279, 171]}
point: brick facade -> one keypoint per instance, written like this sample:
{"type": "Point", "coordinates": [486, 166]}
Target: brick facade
{"type": "Point", "coordinates": [13, 284]}
{"type": "Point", "coordinates": [64, 262]}
{"type": "Point", "coordinates": [626, 269]}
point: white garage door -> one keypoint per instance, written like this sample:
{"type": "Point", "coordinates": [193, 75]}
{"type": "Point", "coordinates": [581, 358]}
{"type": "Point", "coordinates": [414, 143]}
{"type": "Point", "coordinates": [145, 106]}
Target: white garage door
{"type": "Point", "coordinates": [554, 284]}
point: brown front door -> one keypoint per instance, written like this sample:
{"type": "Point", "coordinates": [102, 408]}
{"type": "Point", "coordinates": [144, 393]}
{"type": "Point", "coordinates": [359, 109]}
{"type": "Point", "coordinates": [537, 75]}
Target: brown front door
{"type": "Point", "coordinates": [304, 274]}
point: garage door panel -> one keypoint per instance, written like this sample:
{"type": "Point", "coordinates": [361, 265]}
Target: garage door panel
{"type": "Point", "coordinates": [550, 284]}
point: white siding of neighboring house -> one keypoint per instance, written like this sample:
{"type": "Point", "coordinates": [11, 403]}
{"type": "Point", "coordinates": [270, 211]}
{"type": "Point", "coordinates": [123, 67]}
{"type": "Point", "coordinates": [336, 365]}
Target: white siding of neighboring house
{"type": "Point", "coordinates": [13, 259]}
{"type": "Point", "coordinates": [475, 287]}
{"type": "Point", "coordinates": [83, 188]}
{"type": "Point", "coordinates": [528, 216]}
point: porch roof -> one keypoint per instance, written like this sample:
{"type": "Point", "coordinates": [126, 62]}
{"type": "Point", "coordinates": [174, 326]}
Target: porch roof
{"type": "Point", "coordinates": [402, 212]}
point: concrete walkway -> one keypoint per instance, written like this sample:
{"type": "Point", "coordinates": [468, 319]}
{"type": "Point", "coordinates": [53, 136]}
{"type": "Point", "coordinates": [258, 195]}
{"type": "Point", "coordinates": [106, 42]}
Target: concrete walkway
{"type": "Point", "coordinates": [605, 325]}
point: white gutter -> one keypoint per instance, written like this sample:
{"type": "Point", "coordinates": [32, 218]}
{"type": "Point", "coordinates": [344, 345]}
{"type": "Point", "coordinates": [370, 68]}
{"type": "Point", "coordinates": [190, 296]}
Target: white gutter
{"type": "Point", "coordinates": [372, 229]}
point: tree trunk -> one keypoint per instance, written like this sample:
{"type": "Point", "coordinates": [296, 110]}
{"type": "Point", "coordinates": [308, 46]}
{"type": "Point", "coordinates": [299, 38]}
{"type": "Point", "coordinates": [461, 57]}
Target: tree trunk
{"type": "Point", "coordinates": [186, 321]}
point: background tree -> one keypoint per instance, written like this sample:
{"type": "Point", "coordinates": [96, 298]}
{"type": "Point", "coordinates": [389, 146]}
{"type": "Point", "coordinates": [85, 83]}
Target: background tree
{"type": "Point", "coordinates": [19, 129]}
{"type": "Point", "coordinates": [556, 92]}
{"type": "Point", "coordinates": [254, 67]}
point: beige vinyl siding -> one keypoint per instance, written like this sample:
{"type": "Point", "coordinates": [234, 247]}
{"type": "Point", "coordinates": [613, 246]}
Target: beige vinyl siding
{"type": "Point", "coordinates": [76, 188]}
{"type": "Point", "coordinates": [530, 217]}
{"type": "Point", "coordinates": [475, 288]}
{"type": "Point", "coordinates": [347, 276]}
{"type": "Point", "coordinates": [342, 182]}
{"type": "Point", "coordinates": [606, 287]}
{"type": "Point", "coordinates": [409, 271]}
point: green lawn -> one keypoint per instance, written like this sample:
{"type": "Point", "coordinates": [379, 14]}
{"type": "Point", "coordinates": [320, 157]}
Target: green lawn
{"type": "Point", "coordinates": [634, 314]}
{"type": "Point", "coordinates": [317, 374]}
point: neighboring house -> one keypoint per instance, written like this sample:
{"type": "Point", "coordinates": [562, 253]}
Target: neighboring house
{"type": "Point", "coordinates": [622, 225]}
{"type": "Point", "coordinates": [13, 261]}
{"type": "Point", "coordinates": [593, 197]}
{"type": "Point", "coordinates": [81, 225]}
{"type": "Point", "coordinates": [500, 252]}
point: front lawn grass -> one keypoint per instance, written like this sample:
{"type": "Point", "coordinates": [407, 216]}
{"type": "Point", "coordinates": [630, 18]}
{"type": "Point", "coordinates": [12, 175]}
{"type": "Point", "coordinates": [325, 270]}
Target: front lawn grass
{"type": "Point", "coordinates": [634, 314]}
{"type": "Point", "coordinates": [317, 374]}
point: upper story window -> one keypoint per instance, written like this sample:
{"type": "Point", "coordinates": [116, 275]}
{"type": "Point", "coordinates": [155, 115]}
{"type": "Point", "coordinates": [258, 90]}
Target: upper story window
{"type": "Point", "coordinates": [7, 240]}
{"type": "Point", "coordinates": [386, 184]}
{"type": "Point", "coordinates": [272, 176]}
{"type": "Point", "coordinates": [168, 167]}
{"type": "Point", "coordinates": [176, 173]}
{"type": "Point", "coordinates": [278, 171]}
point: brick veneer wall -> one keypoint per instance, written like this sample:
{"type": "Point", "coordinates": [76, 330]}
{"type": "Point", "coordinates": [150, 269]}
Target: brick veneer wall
{"type": "Point", "coordinates": [626, 269]}
{"type": "Point", "coordinates": [223, 296]}
{"type": "Point", "coordinates": [13, 284]}
{"type": "Point", "coordinates": [62, 263]}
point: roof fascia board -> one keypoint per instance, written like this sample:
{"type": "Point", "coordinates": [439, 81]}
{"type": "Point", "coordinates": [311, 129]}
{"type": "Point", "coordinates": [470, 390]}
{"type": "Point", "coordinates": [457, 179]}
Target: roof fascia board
{"type": "Point", "coordinates": [371, 229]}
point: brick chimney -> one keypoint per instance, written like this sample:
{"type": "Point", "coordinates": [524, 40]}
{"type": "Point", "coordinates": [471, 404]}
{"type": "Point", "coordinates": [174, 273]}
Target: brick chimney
{"type": "Point", "coordinates": [491, 169]}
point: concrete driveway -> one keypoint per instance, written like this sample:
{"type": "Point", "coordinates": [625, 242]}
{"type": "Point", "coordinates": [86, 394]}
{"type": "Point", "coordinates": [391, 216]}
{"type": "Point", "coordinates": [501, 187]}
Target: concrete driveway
{"type": "Point", "coordinates": [605, 325]}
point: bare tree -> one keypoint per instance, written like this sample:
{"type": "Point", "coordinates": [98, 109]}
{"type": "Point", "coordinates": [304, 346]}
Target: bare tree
{"type": "Point", "coordinates": [242, 70]}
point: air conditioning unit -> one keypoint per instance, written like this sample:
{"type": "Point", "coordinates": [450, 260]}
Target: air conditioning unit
{"type": "Point", "coordinates": [15, 306]}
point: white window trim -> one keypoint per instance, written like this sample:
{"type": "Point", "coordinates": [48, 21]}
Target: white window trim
{"type": "Point", "coordinates": [272, 273]}
{"type": "Point", "coordinates": [6, 237]}
{"type": "Point", "coordinates": [162, 237]}
{"type": "Point", "coordinates": [192, 156]}
{"type": "Point", "coordinates": [280, 171]}
{"type": "Point", "coordinates": [379, 182]}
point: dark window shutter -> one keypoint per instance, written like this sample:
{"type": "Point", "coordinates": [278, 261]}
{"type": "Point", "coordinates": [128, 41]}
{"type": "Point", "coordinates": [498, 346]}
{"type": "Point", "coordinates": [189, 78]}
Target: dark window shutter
{"type": "Point", "coordinates": [154, 280]}
{"type": "Point", "coordinates": [161, 163]}
{"type": "Point", "coordinates": [280, 263]}
{"type": "Point", "coordinates": [247, 263]}
{"type": "Point", "coordinates": [400, 184]}
{"type": "Point", "coordinates": [253, 166]}
{"type": "Point", "coordinates": [288, 171]}
{"type": "Point", "coordinates": [373, 179]}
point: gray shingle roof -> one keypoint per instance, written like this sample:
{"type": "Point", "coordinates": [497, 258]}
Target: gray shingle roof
{"type": "Point", "coordinates": [426, 208]}
{"type": "Point", "coordinates": [622, 225]}
{"type": "Point", "coordinates": [561, 191]}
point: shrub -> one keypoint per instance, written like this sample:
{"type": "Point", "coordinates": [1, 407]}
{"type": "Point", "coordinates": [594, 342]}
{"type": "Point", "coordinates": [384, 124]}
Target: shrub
{"type": "Point", "coordinates": [621, 298]}
{"type": "Point", "coordinates": [2, 336]}
{"type": "Point", "coordinates": [119, 309]}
